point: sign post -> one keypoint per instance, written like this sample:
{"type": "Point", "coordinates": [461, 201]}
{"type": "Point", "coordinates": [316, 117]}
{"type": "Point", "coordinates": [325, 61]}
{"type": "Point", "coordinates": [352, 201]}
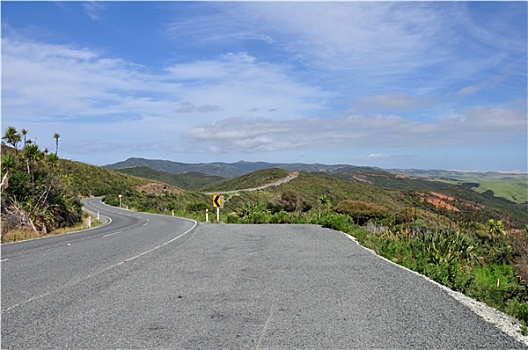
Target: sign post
{"type": "Point", "coordinates": [218, 202]}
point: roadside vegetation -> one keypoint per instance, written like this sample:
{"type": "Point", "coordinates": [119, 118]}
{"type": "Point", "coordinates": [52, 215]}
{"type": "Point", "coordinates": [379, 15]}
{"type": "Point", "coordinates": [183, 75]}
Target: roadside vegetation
{"type": "Point", "coordinates": [470, 242]}
{"type": "Point", "coordinates": [465, 242]}
{"type": "Point", "coordinates": [37, 197]}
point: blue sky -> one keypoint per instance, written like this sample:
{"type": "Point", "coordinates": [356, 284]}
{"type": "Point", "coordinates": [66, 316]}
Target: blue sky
{"type": "Point", "coordinates": [425, 85]}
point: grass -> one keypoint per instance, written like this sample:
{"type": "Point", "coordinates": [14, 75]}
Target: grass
{"type": "Point", "coordinates": [27, 234]}
{"type": "Point", "coordinates": [510, 186]}
{"type": "Point", "coordinates": [510, 189]}
{"type": "Point", "coordinates": [457, 260]}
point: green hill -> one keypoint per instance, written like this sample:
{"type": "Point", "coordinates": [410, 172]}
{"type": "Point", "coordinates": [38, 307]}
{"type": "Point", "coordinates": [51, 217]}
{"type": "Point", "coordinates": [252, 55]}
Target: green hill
{"type": "Point", "coordinates": [443, 229]}
{"type": "Point", "coordinates": [512, 186]}
{"type": "Point", "coordinates": [251, 180]}
{"type": "Point", "coordinates": [427, 200]}
{"type": "Point", "coordinates": [215, 169]}
{"type": "Point", "coordinates": [41, 192]}
{"type": "Point", "coordinates": [399, 194]}
{"type": "Point", "coordinates": [138, 193]}
{"type": "Point", "coordinates": [188, 180]}
{"type": "Point", "coordinates": [440, 227]}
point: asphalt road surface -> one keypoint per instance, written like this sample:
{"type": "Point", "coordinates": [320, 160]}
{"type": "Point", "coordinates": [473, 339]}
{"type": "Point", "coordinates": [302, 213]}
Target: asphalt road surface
{"type": "Point", "coordinates": [150, 281]}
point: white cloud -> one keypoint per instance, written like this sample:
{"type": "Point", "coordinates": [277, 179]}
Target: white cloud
{"type": "Point", "coordinates": [394, 102]}
{"type": "Point", "coordinates": [238, 82]}
{"type": "Point", "coordinates": [250, 135]}
{"type": "Point", "coordinates": [395, 38]}
{"type": "Point", "coordinates": [421, 48]}
{"type": "Point", "coordinates": [93, 9]}
{"type": "Point", "coordinates": [49, 81]}
{"type": "Point", "coordinates": [384, 157]}
{"type": "Point", "coordinates": [280, 76]}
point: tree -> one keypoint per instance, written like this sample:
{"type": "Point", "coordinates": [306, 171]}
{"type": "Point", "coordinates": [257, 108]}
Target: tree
{"type": "Point", "coordinates": [24, 134]}
{"type": "Point", "coordinates": [8, 164]}
{"type": "Point", "coordinates": [56, 136]}
{"type": "Point", "coordinates": [324, 204]}
{"type": "Point", "coordinates": [32, 155]}
{"type": "Point", "coordinates": [52, 160]}
{"type": "Point", "coordinates": [12, 137]}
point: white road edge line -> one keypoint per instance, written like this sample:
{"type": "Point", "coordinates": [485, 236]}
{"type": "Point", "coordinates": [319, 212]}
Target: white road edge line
{"type": "Point", "coordinates": [499, 319]}
{"type": "Point", "coordinates": [103, 270]}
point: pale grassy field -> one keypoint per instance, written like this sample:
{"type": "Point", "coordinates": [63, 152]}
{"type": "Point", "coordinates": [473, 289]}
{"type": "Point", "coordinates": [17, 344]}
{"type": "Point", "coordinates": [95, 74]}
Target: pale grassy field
{"type": "Point", "coordinates": [511, 186]}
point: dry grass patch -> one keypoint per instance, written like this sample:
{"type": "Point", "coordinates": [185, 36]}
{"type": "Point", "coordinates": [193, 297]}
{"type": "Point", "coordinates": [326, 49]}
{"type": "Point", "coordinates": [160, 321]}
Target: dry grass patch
{"type": "Point", "coordinates": [24, 234]}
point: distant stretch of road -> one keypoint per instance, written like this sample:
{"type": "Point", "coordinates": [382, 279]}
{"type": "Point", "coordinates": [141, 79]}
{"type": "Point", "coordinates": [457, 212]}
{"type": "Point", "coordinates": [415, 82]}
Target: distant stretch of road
{"type": "Point", "coordinates": [151, 281]}
{"type": "Point", "coordinates": [279, 182]}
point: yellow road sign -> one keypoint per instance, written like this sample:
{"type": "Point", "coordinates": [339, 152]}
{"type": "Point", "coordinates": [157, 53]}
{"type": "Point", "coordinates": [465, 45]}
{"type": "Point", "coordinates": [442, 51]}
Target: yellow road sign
{"type": "Point", "coordinates": [218, 201]}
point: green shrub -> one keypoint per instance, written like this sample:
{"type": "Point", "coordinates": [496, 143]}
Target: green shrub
{"type": "Point", "coordinates": [291, 201]}
{"type": "Point", "coordinates": [339, 222]}
{"type": "Point", "coordinates": [259, 217]}
{"type": "Point", "coordinates": [281, 217]}
{"type": "Point", "coordinates": [361, 211]}
{"type": "Point", "coordinates": [232, 218]}
{"type": "Point", "coordinates": [493, 284]}
{"type": "Point", "coordinates": [518, 309]}
{"type": "Point", "coordinates": [197, 206]}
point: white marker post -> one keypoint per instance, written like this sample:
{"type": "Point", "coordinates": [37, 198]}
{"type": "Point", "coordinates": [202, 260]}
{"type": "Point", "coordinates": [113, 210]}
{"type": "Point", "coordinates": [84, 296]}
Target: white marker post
{"type": "Point", "coordinates": [120, 196]}
{"type": "Point", "coordinates": [89, 222]}
{"type": "Point", "coordinates": [206, 215]}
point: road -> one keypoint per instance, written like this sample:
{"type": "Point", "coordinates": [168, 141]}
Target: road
{"type": "Point", "coordinates": [148, 281]}
{"type": "Point", "coordinates": [279, 182]}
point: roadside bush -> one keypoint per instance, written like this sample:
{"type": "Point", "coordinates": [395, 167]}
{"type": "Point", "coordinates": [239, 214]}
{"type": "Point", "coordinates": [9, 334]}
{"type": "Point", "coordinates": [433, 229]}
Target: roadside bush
{"type": "Point", "coordinates": [519, 260]}
{"type": "Point", "coordinates": [493, 284]}
{"type": "Point", "coordinates": [232, 218]}
{"type": "Point", "coordinates": [518, 310]}
{"type": "Point", "coordinates": [361, 211]}
{"type": "Point", "coordinates": [258, 217]}
{"type": "Point", "coordinates": [339, 222]}
{"type": "Point", "coordinates": [281, 217]}
{"type": "Point", "coordinates": [196, 206]}
{"type": "Point", "coordinates": [291, 201]}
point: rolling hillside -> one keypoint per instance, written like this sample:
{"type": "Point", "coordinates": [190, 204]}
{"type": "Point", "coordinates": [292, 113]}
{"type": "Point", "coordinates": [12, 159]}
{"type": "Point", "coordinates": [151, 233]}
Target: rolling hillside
{"type": "Point", "coordinates": [398, 194]}
{"type": "Point", "coordinates": [227, 170]}
{"type": "Point", "coordinates": [512, 187]}
{"type": "Point", "coordinates": [446, 231]}
{"type": "Point", "coordinates": [188, 180]}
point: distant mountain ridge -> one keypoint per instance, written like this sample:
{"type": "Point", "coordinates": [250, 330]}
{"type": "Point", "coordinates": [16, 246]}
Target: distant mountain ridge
{"type": "Point", "coordinates": [512, 186]}
{"type": "Point", "coordinates": [227, 170]}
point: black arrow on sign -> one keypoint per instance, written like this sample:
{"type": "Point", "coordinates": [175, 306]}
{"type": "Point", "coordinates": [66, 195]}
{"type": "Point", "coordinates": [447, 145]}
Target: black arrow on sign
{"type": "Point", "coordinates": [217, 200]}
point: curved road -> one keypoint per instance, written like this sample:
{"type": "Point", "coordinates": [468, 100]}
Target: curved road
{"type": "Point", "coordinates": [150, 281]}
